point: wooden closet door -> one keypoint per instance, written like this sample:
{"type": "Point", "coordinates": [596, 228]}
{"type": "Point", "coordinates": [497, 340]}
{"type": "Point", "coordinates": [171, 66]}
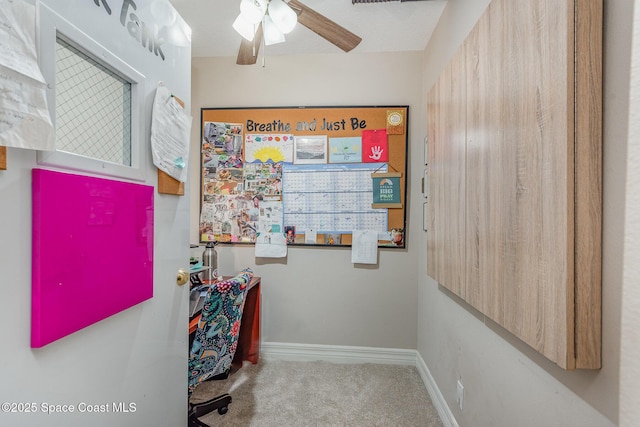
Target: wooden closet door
{"type": "Point", "coordinates": [523, 244]}
{"type": "Point", "coordinates": [489, 251]}
{"type": "Point", "coordinates": [523, 150]}
{"type": "Point", "coordinates": [446, 182]}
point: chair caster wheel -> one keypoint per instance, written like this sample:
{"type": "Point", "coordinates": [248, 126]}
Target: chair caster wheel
{"type": "Point", "coordinates": [223, 410]}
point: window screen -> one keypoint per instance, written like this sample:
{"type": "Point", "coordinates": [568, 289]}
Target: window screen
{"type": "Point", "coordinates": [93, 107]}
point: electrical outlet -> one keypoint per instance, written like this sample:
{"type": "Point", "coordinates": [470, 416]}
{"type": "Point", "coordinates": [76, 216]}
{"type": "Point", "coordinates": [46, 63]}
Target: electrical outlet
{"type": "Point", "coordinates": [459, 394]}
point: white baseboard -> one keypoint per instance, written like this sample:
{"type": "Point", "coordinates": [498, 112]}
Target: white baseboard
{"type": "Point", "coordinates": [437, 399]}
{"type": "Point", "coordinates": [349, 354]}
{"type": "Point", "coordinates": [337, 353]}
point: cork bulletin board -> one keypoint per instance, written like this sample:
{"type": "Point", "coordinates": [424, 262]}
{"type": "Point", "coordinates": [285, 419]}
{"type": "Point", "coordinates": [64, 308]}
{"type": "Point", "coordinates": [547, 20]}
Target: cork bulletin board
{"type": "Point", "coordinates": [314, 174]}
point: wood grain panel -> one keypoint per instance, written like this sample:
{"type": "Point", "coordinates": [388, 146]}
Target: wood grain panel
{"type": "Point", "coordinates": [532, 166]}
{"type": "Point", "coordinates": [434, 131]}
{"type": "Point", "coordinates": [3, 158]}
{"type": "Point", "coordinates": [445, 250]}
{"type": "Point", "coordinates": [588, 184]}
{"type": "Point", "coordinates": [538, 148]}
{"type": "Point", "coordinates": [487, 245]}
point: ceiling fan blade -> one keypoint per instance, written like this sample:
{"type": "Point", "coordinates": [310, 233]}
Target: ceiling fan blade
{"type": "Point", "coordinates": [325, 27]}
{"type": "Point", "coordinates": [248, 52]}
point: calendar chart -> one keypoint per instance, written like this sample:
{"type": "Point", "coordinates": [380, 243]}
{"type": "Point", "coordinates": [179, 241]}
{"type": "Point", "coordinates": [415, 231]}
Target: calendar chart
{"type": "Point", "coordinates": [331, 198]}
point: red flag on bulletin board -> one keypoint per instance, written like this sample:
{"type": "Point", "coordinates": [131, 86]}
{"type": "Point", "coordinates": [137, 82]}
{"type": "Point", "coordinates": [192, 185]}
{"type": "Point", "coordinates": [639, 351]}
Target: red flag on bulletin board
{"type": "Point", "coordinates": [375, 146]}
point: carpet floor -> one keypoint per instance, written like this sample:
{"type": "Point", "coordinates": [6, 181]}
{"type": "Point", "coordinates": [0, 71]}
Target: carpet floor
{"type": "Point", "coordinates": [287, 394]}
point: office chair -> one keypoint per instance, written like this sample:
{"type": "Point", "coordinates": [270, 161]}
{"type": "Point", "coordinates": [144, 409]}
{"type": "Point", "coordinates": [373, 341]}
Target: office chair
{"type": "Point", "coordinates": [215, 341]}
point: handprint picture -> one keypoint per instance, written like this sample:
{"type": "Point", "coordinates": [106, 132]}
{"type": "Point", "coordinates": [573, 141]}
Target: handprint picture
{"type": "Point", "coordinates": [376, 152]}
{"type": "Point", "coordinates": [375, 146]}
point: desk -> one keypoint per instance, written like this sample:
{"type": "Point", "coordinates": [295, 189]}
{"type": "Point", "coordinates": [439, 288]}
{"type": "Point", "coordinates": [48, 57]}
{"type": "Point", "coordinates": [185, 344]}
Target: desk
{"type": "Point", "coordinates": [249, 337]}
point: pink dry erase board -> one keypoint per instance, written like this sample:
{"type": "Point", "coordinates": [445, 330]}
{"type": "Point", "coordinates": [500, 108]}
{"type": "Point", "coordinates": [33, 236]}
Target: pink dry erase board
{"type": "Point", "coordinates": [92, 253]}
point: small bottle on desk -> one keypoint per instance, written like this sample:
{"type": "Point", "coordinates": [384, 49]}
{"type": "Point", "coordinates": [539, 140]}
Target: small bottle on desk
{"type": "Point", "coordinates": [210, 260]}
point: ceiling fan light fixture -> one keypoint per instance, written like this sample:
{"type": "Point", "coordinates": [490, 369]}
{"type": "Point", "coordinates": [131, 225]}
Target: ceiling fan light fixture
{"type": "Point", "coordinates": [272, 35]}
{"type": "Point", "coordinates": [246, 29]}
{"type": "Point", "coordinates": [282, 16]}
{"type": "Point", "coordinates": [252, 11]}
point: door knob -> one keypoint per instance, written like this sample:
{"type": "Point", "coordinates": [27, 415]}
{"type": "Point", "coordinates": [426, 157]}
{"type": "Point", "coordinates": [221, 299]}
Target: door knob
{"type": "Point", "coordinates": [182, 277]}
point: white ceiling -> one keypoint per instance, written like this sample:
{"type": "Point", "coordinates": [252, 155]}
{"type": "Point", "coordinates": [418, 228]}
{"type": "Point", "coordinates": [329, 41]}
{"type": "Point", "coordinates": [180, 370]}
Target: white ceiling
{"type": "Point", "coordinates": [384, 27]}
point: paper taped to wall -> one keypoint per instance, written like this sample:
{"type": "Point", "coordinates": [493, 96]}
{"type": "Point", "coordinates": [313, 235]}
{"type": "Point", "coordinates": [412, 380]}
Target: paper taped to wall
{"type": "Point", "coordinates": [271, 245]}
{"type": "Point", "coordinates": [24, 115]}
{"type": "Point", "coordinates": [364, 247]}
{"type": "Point", "coordinates": [170, 130]}
{"type": "Point", "coordinates": [17, 31]}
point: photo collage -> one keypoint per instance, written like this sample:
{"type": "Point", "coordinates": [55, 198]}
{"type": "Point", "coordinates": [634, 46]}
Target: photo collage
{"type": "Point", "coordinates": [239, 199]}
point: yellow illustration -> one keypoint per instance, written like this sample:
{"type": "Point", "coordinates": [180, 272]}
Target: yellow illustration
{"type": "Point", "coordinates": [265, 154]}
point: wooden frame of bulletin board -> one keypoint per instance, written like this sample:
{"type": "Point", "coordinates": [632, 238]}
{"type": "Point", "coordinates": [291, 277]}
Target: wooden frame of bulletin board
{"type": "Point", "coordinates": [311, 174]}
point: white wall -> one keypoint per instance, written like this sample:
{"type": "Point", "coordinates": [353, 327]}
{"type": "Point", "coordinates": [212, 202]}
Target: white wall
{"type": "Point", "coordinates": [136, 356]}
{"type": "Point", "coordinates": [629, 366]}
{"type": "Point", "coordinates": [506, 383]}
{"type": "Point", "coordinates": [316, 296]}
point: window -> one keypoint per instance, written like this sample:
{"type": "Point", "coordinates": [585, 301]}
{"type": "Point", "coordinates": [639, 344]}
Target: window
{"type": "Point", "coordinates": [93, 107]}
{"type": "Point", "coordinates": [95, 103]}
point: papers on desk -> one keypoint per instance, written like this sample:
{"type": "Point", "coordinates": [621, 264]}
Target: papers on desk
{"type": "Point", "coordinates": [364, 247]}
{"type": "Point", "coordinates": [24, 115]}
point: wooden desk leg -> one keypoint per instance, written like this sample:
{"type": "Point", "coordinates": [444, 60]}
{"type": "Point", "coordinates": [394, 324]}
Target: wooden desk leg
{"type": "Point", "coordinates": [249, 339]}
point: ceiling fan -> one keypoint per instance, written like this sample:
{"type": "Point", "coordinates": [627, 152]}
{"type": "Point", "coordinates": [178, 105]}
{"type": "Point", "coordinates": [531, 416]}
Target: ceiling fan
{"type": "Point", "coordinates": [316, 22]}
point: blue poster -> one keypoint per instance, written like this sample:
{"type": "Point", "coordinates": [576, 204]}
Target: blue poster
{"type": "Point", "coordinates": [345, 150]}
